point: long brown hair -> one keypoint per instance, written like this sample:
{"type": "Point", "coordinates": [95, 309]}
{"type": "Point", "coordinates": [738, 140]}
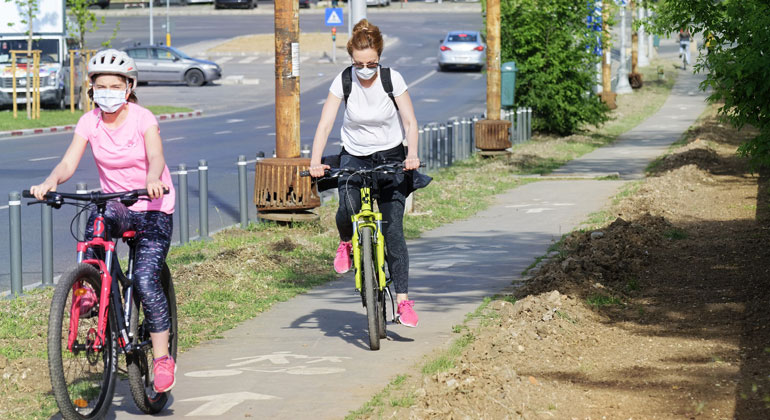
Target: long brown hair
{"type": "Point", "coordinates": [365, 35]}
{"type": "Point", "coordinates": [131, 96]}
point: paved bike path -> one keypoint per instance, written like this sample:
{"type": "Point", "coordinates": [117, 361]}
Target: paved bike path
{"type": "Point", "coordinates": [309, 358]}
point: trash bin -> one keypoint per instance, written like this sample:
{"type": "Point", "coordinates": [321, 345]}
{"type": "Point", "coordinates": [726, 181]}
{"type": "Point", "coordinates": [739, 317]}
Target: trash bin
{"type": "Point", "coordinates": [508, 84]}
{"type": "Point", "coordinates": [656, 41]}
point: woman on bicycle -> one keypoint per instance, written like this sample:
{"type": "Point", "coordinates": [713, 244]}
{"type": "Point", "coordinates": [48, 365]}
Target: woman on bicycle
{"type": "Point", "coordinates": [373, 132]}
{"type": "Point", "coordinates": [126, 145]}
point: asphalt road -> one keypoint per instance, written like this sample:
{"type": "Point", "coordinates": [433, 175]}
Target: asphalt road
{"type": "Point", "coordinates": [244, 124]}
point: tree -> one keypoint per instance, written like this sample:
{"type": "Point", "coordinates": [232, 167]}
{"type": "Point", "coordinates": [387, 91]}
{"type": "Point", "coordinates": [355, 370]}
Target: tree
{"type": "Point", "coordinates": [737, 64]}
{"type": "Point", "coordinates": [553, 46]}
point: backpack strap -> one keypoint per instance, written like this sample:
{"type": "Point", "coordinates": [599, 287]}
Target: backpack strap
{"type": "Point", "coordinates": [387, 84]}
{"type": "Point", "coordinates": [347, 82]}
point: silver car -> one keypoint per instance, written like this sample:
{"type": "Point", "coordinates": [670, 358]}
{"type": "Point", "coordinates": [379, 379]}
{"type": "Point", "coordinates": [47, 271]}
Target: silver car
{"type": "Point", "coordinates": [462, 49]}
{"type": "Point", "coordinates": [168, 64]}
{"type": "Point", "coordinates": [378, 3]}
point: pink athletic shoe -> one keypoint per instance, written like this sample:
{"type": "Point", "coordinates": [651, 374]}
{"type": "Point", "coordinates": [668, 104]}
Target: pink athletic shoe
{"type": "Point", "coordinates": [163, 368]}
{"type": "Point", "coordinates": [342, 261]}
{"type": "Point", "coordinates": [406, 315]}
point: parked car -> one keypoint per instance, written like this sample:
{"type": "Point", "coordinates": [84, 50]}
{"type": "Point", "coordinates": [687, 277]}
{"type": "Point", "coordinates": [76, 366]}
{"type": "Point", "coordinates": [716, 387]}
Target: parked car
{"type": "Point", "coordinates": [306, 3]}
{"type": "Point", "coordinates": [168, 64]}
{"type": "Point", "coordinates": [378, 3]}
{"type": "Point", "coordinates": [462, 49]}
{"type": "Point", "coordinates": [103, 4]}
{"type": "Point", "coordinates": [244, 4]}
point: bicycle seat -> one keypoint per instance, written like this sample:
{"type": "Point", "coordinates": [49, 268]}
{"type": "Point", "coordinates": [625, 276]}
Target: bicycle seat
{"type": "Point", "coordinates": [129, 234]}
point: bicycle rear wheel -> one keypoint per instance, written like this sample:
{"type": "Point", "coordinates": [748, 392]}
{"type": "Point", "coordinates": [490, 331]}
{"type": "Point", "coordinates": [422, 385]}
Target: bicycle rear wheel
{"type": "Point", "coordinates": [371, 289]}
{"type": "Point", "coordinates": [140, 376]}
{"type": "Point", "coordinates": [83, 379]}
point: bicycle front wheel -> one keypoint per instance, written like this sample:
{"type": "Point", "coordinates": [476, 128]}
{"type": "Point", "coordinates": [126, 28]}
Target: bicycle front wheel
{"type": "Point", "coordinates": [371, 289]}
{"type": "Point", "coordinates": [82, 377]}
{"type": "Point", "coordinates": [140, 376]}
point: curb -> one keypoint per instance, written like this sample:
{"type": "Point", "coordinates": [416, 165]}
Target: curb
{"type": "Point", "coordinates": [71, 127]}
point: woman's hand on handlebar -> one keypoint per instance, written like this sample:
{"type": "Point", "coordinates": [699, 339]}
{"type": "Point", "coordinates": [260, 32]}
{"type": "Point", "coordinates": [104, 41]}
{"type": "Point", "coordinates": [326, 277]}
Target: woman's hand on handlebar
{"type": "Point", "coordinates": [40, 190]}
{"type": "Point", "coordinates": [318, 170]}
{"type": "Point", "coordinates": [411, 162]}
{"type": "Point", "coordinates": [155, 188]}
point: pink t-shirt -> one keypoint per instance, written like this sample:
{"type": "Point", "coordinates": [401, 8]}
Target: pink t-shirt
{"type": "Point", "coordinates": [121, 156]}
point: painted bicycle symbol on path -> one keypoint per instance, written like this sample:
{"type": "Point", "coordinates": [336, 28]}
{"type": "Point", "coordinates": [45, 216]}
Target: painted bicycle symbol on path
{"type": "Point", "coordinates": [276, 362]}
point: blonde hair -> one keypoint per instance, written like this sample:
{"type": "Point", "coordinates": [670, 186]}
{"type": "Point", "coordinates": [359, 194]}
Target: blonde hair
{"type": "Point", "coordinates": [365, 35]}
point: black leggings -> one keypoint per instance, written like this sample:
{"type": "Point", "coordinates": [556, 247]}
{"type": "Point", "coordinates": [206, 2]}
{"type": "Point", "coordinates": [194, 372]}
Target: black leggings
{"type": "Point", "coordinates": [153, 238]}
{"type": "Point", "coordinates": [391, 197]}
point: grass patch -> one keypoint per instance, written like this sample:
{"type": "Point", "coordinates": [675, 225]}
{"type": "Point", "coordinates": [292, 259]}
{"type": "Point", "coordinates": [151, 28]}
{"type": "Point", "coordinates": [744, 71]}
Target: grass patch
{"type": "Point", "coordinates": [448, 359]}
{"type": "Point", "coordinates": [55, 117]}
{"type": "Point", "coordinates": [675, 234]}
{"type": "Point", "coordinates": [392, 396]}
{"type": "Point", "coordinates": [599, 300]}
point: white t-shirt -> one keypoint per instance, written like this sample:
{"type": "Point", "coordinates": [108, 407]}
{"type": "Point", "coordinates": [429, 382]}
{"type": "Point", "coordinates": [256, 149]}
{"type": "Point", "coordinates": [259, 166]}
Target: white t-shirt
{"type": "Point", "coordinates": [371, 123]}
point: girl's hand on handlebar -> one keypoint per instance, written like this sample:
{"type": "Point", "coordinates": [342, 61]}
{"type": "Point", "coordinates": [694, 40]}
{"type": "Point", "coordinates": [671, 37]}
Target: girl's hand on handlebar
{"type": "Point", "coordinates": [40, 190]}
{"type": "Point", "coordinates": [155, 188]}
{"type": "Point", "coordinates": [411, 162]}
{"type": "Point", "coordinates": [318, 170]}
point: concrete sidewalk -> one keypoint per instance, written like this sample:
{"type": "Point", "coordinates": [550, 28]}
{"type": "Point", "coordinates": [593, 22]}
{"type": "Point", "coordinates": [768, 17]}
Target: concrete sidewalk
{"type": "Point", "coordinates": [308, 358]}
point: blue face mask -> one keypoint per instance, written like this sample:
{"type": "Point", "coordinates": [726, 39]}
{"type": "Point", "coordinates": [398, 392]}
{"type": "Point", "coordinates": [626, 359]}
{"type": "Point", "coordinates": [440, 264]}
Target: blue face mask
{"type": "Point", "coordinates": [109, 100]}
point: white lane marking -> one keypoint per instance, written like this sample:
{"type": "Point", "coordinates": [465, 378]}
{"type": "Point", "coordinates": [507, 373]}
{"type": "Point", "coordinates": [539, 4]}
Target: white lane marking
{"type": "Point", "coordinates": [213, 373]}
{"type": "Point", "coordinates": [421, 79]}
{"type": "Point", "coordinates": [518, 206]}
{"type": "Point", "coordinates": [403, 60]}
{"type": "Point", "coordinates": [269, 60]}
{"type": "Point", "coordinates": [218, 405]}
{"type": "Point", "coordinates": [538, 210]}
{"type": "Point", "coordinates": [441, 265]}
{"type": "Point", "coordinates": [223, 60]}
{"type": "Point", "coordinates": [234, 120]}
{"type": "Point", "coordinates": [43, 158]}
{"type": "Point", "coordinates": [455, 246]}
{"type": "Point", "coordinates": [3, 207]}
{"type": "Point", "coordinates": [429, 60]}
{"type": "Point", "coordinates": [260, 127]}
{"type": "Point", "coordinates": [430, 100]}
{"type": "Point", "coordinates": [270, 134]}
{"type": "Point", "coordinates": [174, 139]}
{"type": "Point", "coordinates": [223, 132]}
{"type": "Point", "coordinates": [248, 60]}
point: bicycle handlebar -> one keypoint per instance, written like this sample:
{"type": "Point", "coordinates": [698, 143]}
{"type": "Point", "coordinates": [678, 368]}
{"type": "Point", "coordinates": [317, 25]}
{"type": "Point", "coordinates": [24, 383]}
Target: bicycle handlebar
{"type": "Point", "coordinates": [56, 199]}
{"type": "Point", "coordinates": [386, 168]}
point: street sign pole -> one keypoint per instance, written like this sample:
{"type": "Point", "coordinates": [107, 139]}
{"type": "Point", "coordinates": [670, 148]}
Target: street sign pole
{"type": "Point", "coordinates": [333, 17]}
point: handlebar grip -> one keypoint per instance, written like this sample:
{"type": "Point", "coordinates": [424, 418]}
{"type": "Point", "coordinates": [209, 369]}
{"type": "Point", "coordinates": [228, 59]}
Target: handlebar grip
{"type": "Point", "coordinates": [27, 194]}
{"type": "Point", "coordinates": [304, 173]}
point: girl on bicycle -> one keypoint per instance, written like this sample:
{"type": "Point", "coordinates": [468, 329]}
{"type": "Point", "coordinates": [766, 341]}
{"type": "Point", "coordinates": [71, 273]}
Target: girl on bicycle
{"type": "Point", "coordinates": [373, 133]}
{"type": "Point", "coordinates": [126, 145]}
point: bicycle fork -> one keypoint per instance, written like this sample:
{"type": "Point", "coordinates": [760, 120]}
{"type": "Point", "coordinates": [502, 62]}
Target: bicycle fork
{"type": "Point", "coordinates": [368, 218]}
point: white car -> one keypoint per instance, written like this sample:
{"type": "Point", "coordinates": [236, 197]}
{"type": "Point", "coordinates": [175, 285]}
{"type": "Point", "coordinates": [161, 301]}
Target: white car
{"type": "Point", "coordinates": [378, 3]}
{"type": "Point", "coordinates": [462, 49]}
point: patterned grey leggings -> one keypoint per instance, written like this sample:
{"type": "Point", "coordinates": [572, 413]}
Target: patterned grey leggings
{"type": "Point", "coordinates": [153, 239]}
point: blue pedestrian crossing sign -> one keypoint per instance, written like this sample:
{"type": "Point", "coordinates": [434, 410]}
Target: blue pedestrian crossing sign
{"type": "Point", "coordinates": [333, 16]}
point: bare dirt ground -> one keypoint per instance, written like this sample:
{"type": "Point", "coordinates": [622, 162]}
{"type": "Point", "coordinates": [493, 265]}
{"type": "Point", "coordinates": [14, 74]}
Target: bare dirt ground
{"type": "Point", "coordinates": [659, 313]}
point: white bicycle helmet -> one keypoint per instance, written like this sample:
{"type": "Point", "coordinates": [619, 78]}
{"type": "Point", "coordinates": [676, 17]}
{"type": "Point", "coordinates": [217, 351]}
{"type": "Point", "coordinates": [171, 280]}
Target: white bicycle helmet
{"type": "Point", "coordinates": [113, 61]}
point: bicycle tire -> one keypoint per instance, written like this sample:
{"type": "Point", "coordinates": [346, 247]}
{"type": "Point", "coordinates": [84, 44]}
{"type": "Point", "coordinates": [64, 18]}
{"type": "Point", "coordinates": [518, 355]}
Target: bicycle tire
{"type": "Point", "coordinates": [139, 363]}
{"type": "Point", "coordinates": [89, 396]}
{"type": "Point", "coordinates": [369, 285]}
{"type": "Point", "coordinates": [382, 298]}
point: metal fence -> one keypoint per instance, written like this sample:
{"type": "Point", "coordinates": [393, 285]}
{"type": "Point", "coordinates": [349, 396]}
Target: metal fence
{"type": "Point", "coordinates": [440, 145]}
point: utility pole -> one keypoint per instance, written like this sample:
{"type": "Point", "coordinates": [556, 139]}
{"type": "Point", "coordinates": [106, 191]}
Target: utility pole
{"type": "Point", "coordinates": [623, 85]}
{"type": "Point", "coordinates": [280, 193]}
{"type": "Point", "coordinates": [642, 39]}
{"type": "Point", "coordinates": [152, 36]}
{"type": "Point", "coordinates": [357, 11]}
{"type": "Point", "coordinates": [492, 133]}
{"type": "Point", "coordinates": [634, 41]}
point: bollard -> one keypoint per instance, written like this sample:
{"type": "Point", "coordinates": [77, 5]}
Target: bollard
{"type": "Point", "coordinates": [242, 190]}
{"type": "Point", "coordinates": [473, 134]}
{"type": "Point", "coordinates": [14, 214]}
{"type": "Point", "coordinates": [529, 123]}
{"type": "Point", "coordinates": [466, 138]}
{"type": "Point", "coordinates": [456, 140]}
{"type": "Point", "coordinates": [46, 236]}
{"type": "Point", "coordinates": [442, 134]}
{"type": "Point", "coordinates": [434, 150]}
{"type": "Point", "coordinates": [184, 224]}
{"type": "Point", "coordinates": [520, 124]}
{"type": "Point", "coordinates": [203, 202]}
{"type": "Point", "coordinates": [420, 144]}
{"type": "Point", "coordinates": [82, 188]}
{"type": "Point", "coordinates": [305, 151]}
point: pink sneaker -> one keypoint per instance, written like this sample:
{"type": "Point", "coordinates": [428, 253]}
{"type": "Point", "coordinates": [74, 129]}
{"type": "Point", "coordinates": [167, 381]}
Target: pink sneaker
{"type": "Point", "coordinates": [164, 368]}
{"type": "Point", "coordinates": [88, 299]}
{"type": "Point", "coordinates": [342, 261]}
{"type": "Point", "coordinates": [406, 315]}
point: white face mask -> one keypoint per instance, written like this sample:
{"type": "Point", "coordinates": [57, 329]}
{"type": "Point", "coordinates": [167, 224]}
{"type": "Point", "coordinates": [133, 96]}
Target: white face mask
{"type": "Point", "coordinates": [109, 100]}
{"type": "Point", "coordinates": [366, 73]}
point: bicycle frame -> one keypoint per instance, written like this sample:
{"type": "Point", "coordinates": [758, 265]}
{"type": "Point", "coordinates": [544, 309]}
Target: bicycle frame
{"type": "Point", "coordinates": [366, 217]}
{"type": "Point", "coordinates": [109, 269]}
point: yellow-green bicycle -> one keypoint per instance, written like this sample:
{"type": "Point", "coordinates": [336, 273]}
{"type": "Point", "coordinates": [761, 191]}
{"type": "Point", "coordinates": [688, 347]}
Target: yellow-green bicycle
{"type": "Point", "coordinates": [371, 274]}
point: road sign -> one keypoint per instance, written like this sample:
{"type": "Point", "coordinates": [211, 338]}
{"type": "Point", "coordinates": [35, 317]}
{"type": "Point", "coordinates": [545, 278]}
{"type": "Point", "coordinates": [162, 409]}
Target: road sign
{"type": "Point", "coordinates": [333, 16]}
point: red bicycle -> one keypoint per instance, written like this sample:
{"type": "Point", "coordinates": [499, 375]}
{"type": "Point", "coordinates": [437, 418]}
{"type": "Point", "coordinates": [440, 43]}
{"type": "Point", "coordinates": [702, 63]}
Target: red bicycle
{"type": "Point", "coordinates": [96, 316]}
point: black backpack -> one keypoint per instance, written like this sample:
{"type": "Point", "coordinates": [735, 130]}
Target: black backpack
{"type": "Point", "coordinates": [387, 84]}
